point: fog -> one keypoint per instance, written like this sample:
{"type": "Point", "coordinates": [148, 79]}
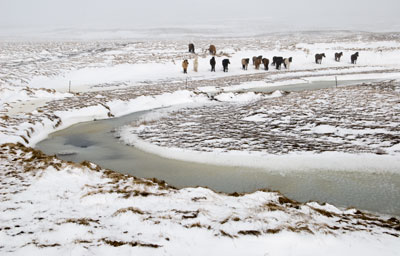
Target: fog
{"type": "Point", "coordinates": [250, 14]}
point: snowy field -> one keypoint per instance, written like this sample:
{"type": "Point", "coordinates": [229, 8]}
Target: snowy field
{"type": "Point", "coordinates": [348, 128]}
{"type": "Point", "coordinates": [52, 207]}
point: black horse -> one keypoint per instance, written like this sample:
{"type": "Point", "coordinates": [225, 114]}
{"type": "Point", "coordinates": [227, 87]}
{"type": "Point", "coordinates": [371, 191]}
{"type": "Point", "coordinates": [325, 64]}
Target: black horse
{"type": "Point", "coordinates": [318, 57]}
{"type": "Point", "coordinates": [277, 61]}
{"type": "Point", "coordinates": [354, 58]}
{"type": "Point", "coordinates": [338, 55]}
{"type": "Point", "coordinates": [225, 64]}
{"type": "Point", "coordinates": [191, 48]}
{"type": "Point", "coordinates": [212, 63]}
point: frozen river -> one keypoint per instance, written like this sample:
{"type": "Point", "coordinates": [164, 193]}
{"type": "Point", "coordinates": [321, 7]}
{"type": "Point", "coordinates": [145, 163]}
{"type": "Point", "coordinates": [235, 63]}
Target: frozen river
{"type": "Point", "coordinates": [95, 141]}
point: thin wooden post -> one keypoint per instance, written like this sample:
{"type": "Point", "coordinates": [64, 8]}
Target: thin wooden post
{"type": "Point", "coordinates": [336, 80]}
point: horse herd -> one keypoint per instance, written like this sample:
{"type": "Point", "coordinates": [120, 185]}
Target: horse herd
{"type": "Point", "coordinates": [338, 55]}
{"type": "Point", "coordinates": [277, 61]}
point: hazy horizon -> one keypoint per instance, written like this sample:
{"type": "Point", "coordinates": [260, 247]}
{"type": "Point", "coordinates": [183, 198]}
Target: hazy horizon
{"type": "Point", "coordinates": [35, 18]}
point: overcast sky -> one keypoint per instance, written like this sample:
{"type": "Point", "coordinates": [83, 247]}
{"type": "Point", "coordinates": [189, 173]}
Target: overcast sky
{"type": "Point", "coordinates": [136, 14]}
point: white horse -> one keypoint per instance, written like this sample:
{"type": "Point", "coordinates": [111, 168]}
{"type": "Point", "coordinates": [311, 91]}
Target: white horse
{"type": "Point", "coordinates": [195, 64]}
{"type": "Point", "coordinates": [287, 62]}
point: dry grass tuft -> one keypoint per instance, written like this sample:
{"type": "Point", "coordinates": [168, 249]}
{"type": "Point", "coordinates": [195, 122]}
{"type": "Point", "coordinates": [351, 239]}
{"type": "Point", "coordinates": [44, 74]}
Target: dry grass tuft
{"type": "Point", "coordinates": [323, 212]}
{"type": "Point", "coordinates": [285, 200]}
{"type": "Point", "coordinates": [129, 209]}
{"type": "Point", "coordinates": [273, 231]}
{"type": "Point", "coordinates": [223, 233]}
{"type": "Point", "coordinates": [5, 118]}
{"type": "Point", "coordinates": [82, 221]}
{"type": "Point", "coordinates": [274, 207]}
{"type": "Point", "coordinates": [300, 229]}
{"type": "Point", "coordinates": [115, 243]}
{"type": "Point", "coordinates": [249, 232]}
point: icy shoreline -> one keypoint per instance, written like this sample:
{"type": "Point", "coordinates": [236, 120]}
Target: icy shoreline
{"type": "Point", "coordinates": [306, 162]}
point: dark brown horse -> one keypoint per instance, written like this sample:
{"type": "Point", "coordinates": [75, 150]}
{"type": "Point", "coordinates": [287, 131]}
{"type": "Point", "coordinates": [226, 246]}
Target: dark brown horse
{"type": "Point", "coordinates": [318, 57]}
{"type": "Point", "coordinates": [212, 49]}
{"type": "Point", "coordinates": [191, 48]}
{"type": "Point", "coordinates": [338, 55]}
{"type": "Point", "coordinates": [265, 61]}
{"type": "Point", "coordinates": [354, 58]}
{"type": "Point", "coordinates": [257, 63]}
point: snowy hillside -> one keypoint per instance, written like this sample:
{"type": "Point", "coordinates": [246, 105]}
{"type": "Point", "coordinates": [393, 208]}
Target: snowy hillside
{"type": "Point", "coordinates": [53, 207]}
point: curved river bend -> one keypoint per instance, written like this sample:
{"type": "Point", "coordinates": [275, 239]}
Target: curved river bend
{"type": "Point", "coordinates": [95, 141]}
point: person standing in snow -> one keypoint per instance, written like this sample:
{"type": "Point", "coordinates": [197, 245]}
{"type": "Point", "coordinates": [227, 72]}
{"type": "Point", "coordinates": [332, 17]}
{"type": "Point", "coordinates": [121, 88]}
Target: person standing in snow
{"type": "Point", "coordinates": [212, 63]}
{"type": "Point", "coordinates": [185, 65]}
{"type": "Point", "coordinates": [195, 64]}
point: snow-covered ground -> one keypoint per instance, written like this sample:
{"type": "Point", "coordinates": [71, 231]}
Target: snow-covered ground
{"type": "Point", "coordinates": [348, 128]}
{"type": "Point", "coordinates": [52, 207]}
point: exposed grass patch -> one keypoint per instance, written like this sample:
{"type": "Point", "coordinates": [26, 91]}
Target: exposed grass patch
{"type": "Point", "coordinates": [223, 233]}
{"type": "Point", "coordinates": [116, 243]}
{"type": "Point", "coordinates": [249, 232]}
{"type": "Point", "coordinates": [82, 221]}
{"type": "Point", "coordinates": [273, 231]}
{"type": "Point", "coordinates": [129, 209]}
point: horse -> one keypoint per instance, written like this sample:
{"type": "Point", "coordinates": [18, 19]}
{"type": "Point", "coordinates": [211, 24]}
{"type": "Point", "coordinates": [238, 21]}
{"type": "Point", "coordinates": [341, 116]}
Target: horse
{"type": "Point", "coordinates": [338, 55]}
{"type": "Point", "coordinates": [225, 63]}
{"type": "Point", "coordinates": [191, 48]}
{"type": "Point", "coordinates": [354, 58]}
{"type": "Point", "coordinates": [195, 64]}
{"type": "Point", "coordinates": [254, 60]}
{"type": "Point", "coordinates": [265, 61]}
{"type": "Point", "coordinates": [212, 63]}
{"type": "Point", "coordinates": [318, 57]}
{"type": "Point", "coordinates": [277, 61]}
{"type": "Point", "coordinates": [212, 49]}
{"type": "Point", "coordinates": [245, 63]}
{"type": "Point", "coordinates": [287, 61]}
{"type": "Point", "coordinates": [185, 65]}
{"type": "Point", "coordinates": [258, 63]}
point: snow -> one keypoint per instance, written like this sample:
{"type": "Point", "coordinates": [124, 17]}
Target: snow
{"type": "Point", "coordinates": [324, 129]}
{"type": "Point", "coordinates": [76, 209]}
{"type": "Point", "coordinates": [51, 207]}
